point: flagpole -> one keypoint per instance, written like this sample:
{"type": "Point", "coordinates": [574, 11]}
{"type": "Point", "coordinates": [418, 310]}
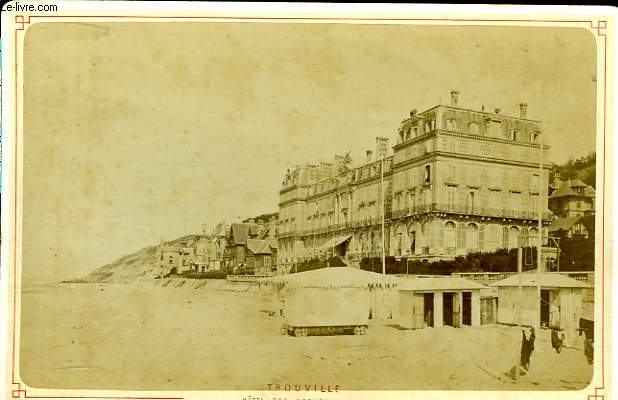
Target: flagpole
{"type": "Point", "coordinates": [382, 203]}
{"type": "Point", "coordinates": [540, 227]}
{"type": "Point", "coordinates": [521, 300]}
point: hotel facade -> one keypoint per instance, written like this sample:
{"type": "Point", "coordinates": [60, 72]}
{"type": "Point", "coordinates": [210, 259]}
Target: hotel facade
{"type": "Point", "coordinates": [456, 181]}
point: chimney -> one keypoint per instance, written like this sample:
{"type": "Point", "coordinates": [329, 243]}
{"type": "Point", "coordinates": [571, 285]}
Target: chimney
{"type": "Point", "coordinates": [369, 156]}
{"type": "Point", "coordinates": [523, 110]}
{"type": "Point", "coordinates": [381, 147]}
{"type": "Point", "coordinates": [454, 98]}
{"type": "Point", "coordinates": [557, 179]}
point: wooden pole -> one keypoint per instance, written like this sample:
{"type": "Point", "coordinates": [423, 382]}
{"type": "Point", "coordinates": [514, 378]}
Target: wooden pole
{"type": "Point", "coordinates": [520, 302]}
{"type": "Point", "coordinates": [383, 204]}
{"type": "Point", "coordinates": [540, 227]}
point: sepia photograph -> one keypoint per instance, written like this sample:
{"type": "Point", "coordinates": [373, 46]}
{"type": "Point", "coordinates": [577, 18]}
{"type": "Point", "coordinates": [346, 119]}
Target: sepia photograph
{"type": "Point", "coordinates": [307, 207]}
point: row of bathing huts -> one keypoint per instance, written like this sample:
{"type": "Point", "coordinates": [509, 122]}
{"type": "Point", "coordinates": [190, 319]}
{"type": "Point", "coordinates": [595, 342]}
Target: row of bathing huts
{"type": "Point", "coordinates": [346, 299]}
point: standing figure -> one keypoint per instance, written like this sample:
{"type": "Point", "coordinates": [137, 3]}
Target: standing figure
{"type": "Point", "coordinates": [557, 340]}
{"type": "Point", "coordinates": [527, 347]}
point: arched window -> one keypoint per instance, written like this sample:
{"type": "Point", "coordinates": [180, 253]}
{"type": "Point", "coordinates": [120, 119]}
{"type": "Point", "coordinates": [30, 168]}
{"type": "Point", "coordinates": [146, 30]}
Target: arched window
{"type": "Point", "coordinates": [513, 237]}
{"type": "Point", "coordinates": [472, 237]}
{"type": "Point", "coordinates": [412, 239]}
{"type": "Point", "coordinates": [493, 237]}
{"type": "Point", "coordinates": [461, 235]}
{"type": "Point", "coordinates": [505, 237]}
{"type": "Point", "coordinates": [534, 237]}
{"type": "Point", "coordinates": [450, 236]}
{"type": "Point", "coordinates": [525, 238]}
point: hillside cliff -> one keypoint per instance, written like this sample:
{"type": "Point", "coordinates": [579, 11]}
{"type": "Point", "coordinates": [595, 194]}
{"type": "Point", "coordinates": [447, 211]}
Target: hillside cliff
{"type": "Point", "coordinates": [141, 265]}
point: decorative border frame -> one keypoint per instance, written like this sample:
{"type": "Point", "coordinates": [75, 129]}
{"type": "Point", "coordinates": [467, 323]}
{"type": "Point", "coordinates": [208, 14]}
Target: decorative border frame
{"type": "Point", "coordinates": [21, 23]}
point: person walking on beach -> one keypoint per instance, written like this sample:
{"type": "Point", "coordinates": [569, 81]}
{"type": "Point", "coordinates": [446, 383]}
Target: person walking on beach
{"type": "Point", "coordinates": [527, 347]}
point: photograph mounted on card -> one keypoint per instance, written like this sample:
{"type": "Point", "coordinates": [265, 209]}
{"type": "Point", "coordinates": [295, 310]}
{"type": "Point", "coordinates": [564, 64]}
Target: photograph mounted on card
{"type": "Point", "coordinates": [307, 205]}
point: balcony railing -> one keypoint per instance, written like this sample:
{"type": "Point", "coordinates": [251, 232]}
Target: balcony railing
{"type": "Point", "coordinates": [459, 209]}
{"type": "Point", "coordinates": [410, 211]}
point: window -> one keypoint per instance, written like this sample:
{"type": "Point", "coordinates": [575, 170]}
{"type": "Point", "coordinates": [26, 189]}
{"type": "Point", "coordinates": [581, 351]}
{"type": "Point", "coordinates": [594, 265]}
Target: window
{"type": "Point", "coordinates": [450, 235]}
{"type": "Point", "coordinates": [471, 202]}
{"type": "Point", "coordinates": [525, 237]}
{"type": "Point", "coordinates": [534, 138]}
{"type": "Point", "coordinates": [415, 131]}
{"type": "Point", "coordinates": [505, 237]}
{"type": "Point", "coordinates": [534, 202]}
{"type": "Point", "coordinates": [494, 128]}
{"type": "Point", "coordinates": [412, 203]}
{"type": "Point", "coordinates": [427, 173]}
{"type": "Point", "coordinates": [412, 238]}
{"type": "Point", "coordinates": [451, 193]}
{"type": "Point", "coordinates": [430, 126]}
{"type": "Point", "coordinates": [473, 127]}
{"type": "Point", "coordinates": [472, 239]}
{"type": "Point", "coordinates": [170, 260]}
{"type": "Point", "coordinates": [451, 125]}
{"type": "Point", "coordinates": [515, 201]}
{"type": "Point", "coordinates": [493, 237]}
{"type": "Point", "coordinates": [514, 134]}
{"type": "Point", "coordinates": [427, 193]}
{"type": "Point", "coordinates": [513, 237]}
{"type": "Point", "coordinates": [534, 183]}
{"type": "Point", "coordinates": [461, 236]}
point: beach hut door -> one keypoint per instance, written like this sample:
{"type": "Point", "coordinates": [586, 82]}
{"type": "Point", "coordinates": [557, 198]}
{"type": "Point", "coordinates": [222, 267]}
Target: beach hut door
{"type": "Point", "coordinates": [419, 310]}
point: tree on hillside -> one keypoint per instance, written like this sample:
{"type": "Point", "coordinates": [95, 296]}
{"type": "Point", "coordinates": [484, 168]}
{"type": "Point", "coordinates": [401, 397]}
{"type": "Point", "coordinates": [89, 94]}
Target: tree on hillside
{"type": "Point", "coordinates": [583, 168]}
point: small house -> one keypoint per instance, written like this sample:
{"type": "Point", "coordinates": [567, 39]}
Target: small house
{"type": "Point", "coordinates": [261, 256]}
{"type": "Point", "coordinates": [435, 302]}
{"type": "Point", "coordinates": [560, 304]}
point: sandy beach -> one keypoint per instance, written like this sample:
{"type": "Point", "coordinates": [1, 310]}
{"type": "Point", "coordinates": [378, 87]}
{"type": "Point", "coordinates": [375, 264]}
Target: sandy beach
{"type": "Point", "coordinates": [146, 337]}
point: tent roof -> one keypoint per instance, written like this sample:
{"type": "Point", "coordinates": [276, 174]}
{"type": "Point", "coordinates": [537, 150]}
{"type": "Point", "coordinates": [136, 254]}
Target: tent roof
{"type": "Point", "coordinates": [446, 283]}
{"type": "Point", "coordinates": [334, 277]}
{"type": "Point", "coordinates": [547, 280]}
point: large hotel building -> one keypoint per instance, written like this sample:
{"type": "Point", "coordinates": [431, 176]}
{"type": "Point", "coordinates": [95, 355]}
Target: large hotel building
{"type": "Point", "coordinates": [457, 180]}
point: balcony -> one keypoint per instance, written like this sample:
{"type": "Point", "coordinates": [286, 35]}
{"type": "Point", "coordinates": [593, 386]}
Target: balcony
{"type": "Point", "coordinates": [459, 209]}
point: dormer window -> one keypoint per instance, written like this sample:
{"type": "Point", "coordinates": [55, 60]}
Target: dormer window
{"type": "Point", "coordinates": [534, 138]}
{"type": "Point", "coordinates": [415, 131]}
{"type": "Point", "coordinates": [430, 126]}
{"type": "Point", "coordinates": [514, 135]}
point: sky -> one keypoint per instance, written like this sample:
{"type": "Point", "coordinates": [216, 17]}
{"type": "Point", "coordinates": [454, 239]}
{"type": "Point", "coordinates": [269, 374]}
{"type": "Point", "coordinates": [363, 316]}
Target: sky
{"type": "Point", "coordinates": [134, 133]}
